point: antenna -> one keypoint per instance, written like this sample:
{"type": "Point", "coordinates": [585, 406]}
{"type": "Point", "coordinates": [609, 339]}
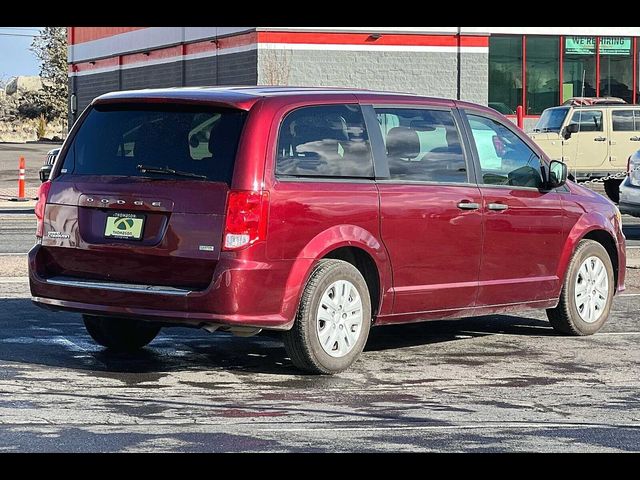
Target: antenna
{"type": "Point", "coordinates": [584, 79]}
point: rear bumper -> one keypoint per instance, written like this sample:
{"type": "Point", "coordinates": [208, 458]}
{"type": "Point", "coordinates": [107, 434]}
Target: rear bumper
{"type": "Point", "coordinates": [629, 209]}
{"type": "Point", "coordinates": [242, 293]}
{"type": "Point", "coordinates": [629, 198]}
{"type": "Point", "coordinates": [165, 316]}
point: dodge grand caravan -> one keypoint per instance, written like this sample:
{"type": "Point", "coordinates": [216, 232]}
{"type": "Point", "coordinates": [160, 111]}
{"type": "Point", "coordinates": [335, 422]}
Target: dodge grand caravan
{"type": "Point", "coordinates": [315, 212]}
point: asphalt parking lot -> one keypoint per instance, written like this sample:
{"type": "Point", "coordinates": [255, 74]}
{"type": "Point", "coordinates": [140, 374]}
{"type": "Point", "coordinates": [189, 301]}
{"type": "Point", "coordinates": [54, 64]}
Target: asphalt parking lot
{"type": "Point", "coordinates": [490, 384]}
{"type": "Point", "coordinates": [479, 385]}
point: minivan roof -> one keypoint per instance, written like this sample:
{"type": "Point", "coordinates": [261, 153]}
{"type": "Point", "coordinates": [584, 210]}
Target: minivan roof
{"type": "Point", "coordinates": [244, 97]}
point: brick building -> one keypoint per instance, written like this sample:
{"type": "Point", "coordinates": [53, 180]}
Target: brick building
{"type": "Point", "coordinates": [536, 67]}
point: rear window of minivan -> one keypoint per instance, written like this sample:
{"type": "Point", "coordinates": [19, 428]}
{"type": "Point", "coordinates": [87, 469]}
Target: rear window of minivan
{"type": "Point", "coordinates": [157, 141]}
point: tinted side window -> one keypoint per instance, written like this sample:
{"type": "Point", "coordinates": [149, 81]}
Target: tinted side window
{"type": "Point", "coordinates": [505, 159]}
{"type": "Point", "coordinates": [324, 141]}
{"type": "Point", "coordinates": [589, 121]}
{"type": "Point", "coordinates": [623, 120]}
{"type": "Point", "coordinates": [422, 145]}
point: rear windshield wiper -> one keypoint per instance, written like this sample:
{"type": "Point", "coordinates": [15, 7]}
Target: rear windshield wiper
{"type": "Point", "coordinates": [169, 171]}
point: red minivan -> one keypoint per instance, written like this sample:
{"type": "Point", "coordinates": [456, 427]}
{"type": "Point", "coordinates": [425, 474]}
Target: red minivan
{"type": "Point", "coordinates": [315, 212]}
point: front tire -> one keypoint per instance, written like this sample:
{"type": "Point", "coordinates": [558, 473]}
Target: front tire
{"type": "Point", "coordinates": [587, 295]}
{"type": "Point", "coordinates": [333, 321]}
{"type": "Point", "coordinates": [120, 335]}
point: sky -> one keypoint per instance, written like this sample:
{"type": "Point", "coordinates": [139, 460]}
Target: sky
{"type": "Point", "coordinates": [15, 56]}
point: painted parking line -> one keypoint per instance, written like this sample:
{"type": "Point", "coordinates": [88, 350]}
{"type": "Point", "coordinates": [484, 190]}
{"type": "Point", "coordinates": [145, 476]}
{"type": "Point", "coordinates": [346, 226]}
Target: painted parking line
{"type": "Point", "coordinates": [618, 334]}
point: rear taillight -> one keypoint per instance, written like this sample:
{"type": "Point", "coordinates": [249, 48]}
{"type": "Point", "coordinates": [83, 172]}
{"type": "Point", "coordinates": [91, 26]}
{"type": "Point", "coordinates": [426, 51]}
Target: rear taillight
{"type": "Point", "coordinates": [43, 194]}
{"type": "Point", "coordinates": [246, 221]}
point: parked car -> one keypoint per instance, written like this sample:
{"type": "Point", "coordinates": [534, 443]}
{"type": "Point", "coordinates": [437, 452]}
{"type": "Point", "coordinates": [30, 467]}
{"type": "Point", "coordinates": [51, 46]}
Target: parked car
{"type": "Point", "coordinates": [630, 188]}
{"type": "Point", "coordinates": [45, 170]}
{"type": "Point", "coordinates": [595, 141]}
{"type": "Point", "coordinates": [318, 213]}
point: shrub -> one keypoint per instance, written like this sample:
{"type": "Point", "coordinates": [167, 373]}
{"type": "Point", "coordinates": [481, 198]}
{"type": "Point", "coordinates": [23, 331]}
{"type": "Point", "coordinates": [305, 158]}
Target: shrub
{"type": "Point", "coordinates": [41, 127]}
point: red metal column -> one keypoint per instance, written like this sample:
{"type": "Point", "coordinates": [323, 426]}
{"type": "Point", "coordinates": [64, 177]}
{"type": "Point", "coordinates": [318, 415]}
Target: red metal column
{"type": "Point", "coordinates": [561, 73]}
{"type": "Point", "coordinates": [520, 117]}
{"type": "Point", "coordinates": [524, 73]}
{"type": "Point", "coordinates": [635, 70]}
{"type": "Point", "coordinates": [597, 66]}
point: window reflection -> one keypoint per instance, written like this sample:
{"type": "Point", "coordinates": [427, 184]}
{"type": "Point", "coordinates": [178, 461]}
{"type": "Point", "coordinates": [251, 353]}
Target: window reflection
{"type": "Point", "coordinates": [325, 141]}
{"type": "Point", "coordinates": [423, 145]}
{"type": "Point", "coordinates": [504, 158]}
{"type": "Point", "coordinates": [543, 73]}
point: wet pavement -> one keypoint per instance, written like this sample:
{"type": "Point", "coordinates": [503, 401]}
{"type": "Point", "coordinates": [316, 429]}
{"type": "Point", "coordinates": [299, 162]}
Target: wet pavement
{"type": "Point", "coordinates": [488, 384]}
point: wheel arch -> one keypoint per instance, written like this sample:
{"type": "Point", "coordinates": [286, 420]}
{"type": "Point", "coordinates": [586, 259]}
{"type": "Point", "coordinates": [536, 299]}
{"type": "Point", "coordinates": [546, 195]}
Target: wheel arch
{"type": "Point", "coordinates": [605, 239]}
{"type": "Point", "coordinates": [366, 265]}
{"type": "Point", "coordinates": [349, 243]}
{"type": "Point", "coordinates": [593, 226]}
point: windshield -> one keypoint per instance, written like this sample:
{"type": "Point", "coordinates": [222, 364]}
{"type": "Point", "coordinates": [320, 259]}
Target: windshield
{"type": "Point", "coordinates": [551, 120]}
{"type": "Point", "coordinates": [156, 141]}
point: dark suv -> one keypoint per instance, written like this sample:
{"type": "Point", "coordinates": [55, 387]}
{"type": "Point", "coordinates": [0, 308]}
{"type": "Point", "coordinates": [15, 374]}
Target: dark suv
{"type": "Point", "coordinates": [315, 212]}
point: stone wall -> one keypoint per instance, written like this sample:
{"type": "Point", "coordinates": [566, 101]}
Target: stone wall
{"type": "Point", "coordinates": [431, 74]}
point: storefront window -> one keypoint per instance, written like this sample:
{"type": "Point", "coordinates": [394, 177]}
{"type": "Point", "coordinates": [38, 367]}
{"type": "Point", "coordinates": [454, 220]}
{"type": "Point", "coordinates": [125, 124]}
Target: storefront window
{"type": "Point", "coordinates": [543, 73]}
{"type": "Point", "coordinates": [557, 69]}
{"type": "Point", "coordinates": [616, 68]}
{"type": "Point", "coordinates": [505, 73]}
{"type": "Point", "coordinates": [579, 67]}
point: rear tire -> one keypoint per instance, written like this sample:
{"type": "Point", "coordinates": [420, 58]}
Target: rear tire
{"type": "Point", "coordinates": [333, 321]}
{"type": "Point", "coordinates": [583, 310]}
{"type": "Point", "coordinates": [612, 189]}
{"type": "Point", "coordinates": [120, 335]}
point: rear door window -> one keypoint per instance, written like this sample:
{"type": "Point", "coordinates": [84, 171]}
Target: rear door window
{"type": "Point", "coordinates": [589, 120]}
{"type": "Point", "coordinates": [423, 145]}
{"type": "Point", "coordinates": [328, 141]}
{"type": "Point", "coordinates": [626, 120]}
{"type": "Point", "coordinates": [135, 140]}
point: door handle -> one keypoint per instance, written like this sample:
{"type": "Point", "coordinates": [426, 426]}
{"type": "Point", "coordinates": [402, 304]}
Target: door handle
{"type": "Point", "coordinates": [497, 207]}
{"type": "Point", "coordinates": [600, 139]}
{"type": "Point", "coordinates": [635, 139]}
{"type": "Point", "coordinates": [468, 206]}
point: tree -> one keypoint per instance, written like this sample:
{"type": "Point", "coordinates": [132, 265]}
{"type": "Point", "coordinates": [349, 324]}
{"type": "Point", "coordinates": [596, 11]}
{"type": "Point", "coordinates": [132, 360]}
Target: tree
{"type": "Point", "coordinates": [51, 48]}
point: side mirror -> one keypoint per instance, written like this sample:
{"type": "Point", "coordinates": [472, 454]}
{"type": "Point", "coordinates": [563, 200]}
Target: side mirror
{"type": "Point", "coordinates": [558, 174]}
{"type": "Point", "coordinates": [569, 130]}
{"type": "Point", "coordinates": [45, 173]}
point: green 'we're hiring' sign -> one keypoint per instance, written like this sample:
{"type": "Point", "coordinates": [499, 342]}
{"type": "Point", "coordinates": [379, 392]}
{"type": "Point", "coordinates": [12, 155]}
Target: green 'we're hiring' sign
{"type": "Point", "coordinates": [587, 46]}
